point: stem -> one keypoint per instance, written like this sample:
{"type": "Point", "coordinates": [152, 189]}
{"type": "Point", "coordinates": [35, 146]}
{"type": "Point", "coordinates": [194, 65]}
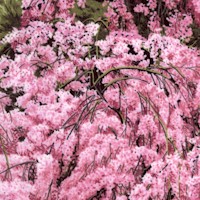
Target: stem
{"type": "Point", "coordinates": [93, 110]}
{"type": "Point", "coordinates": [128, 67]}
{"type": "Point", "coordinates": [5, 154]}
{"type": "Point", "coordinates": [177, 70]}
{"type": "Point", "coordinates": [73, 79]}
{"type": "Point", "coordinates": [32, 161]}
{"type": "Point", "coordinates": [121, 79]}
{"type": "Point", "coordinates": [160, 121]}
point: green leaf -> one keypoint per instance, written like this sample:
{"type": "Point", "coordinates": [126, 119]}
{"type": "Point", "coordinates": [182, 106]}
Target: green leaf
{"type": "Point", "coordinates": [93, 9]}
{"type": "Point", "coordinates": [10, 14]}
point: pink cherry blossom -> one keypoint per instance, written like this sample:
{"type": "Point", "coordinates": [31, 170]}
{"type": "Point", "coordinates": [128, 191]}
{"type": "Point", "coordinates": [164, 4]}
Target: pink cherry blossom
{"type": "Point", "coordinates": [90, 115]}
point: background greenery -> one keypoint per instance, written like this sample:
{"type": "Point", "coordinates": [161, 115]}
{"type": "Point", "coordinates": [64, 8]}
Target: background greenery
{"type": "Point", "coordinates": [10, 13]}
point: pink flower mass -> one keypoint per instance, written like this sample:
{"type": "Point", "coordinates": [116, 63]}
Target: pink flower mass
{"type": "Point", "coordinates": [101, 109]}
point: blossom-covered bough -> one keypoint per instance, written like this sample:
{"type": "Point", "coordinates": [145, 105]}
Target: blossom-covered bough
{"type": "Point", "coordinates": [103, 104]}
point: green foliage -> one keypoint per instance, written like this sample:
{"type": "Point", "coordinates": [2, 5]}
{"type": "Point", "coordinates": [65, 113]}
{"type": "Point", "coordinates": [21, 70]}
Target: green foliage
{"type": "Point", "coordinates": [6, 49]}
{"type": "Point", "coordinates": [10, 13]}
{"type": "Point", "coordinates": [141, 22]}
{"type": "Point", "coordinates": [93, 9]}
{"type": "Point", "coordinates": [195, 39]}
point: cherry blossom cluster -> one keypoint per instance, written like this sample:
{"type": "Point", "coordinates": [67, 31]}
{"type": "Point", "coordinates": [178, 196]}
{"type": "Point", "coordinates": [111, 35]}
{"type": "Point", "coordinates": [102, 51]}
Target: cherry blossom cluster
{"type": "Point", "coordinates": [85, 117]}
{"type": "Point", "coordinates": [195, 7]}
